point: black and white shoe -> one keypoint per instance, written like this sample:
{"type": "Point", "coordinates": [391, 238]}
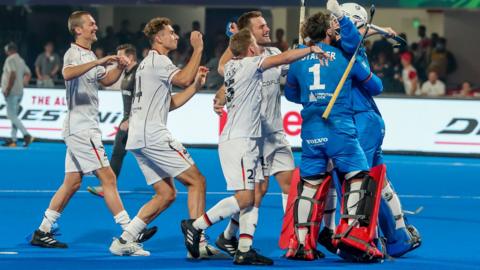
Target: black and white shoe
{"type": "Point", "coordinates": [251, 257]}
{"type": "Point", "coordinates": [229, 246]}
{"type": "Point", "coordinates": [192, 237]}
{"type": "Point", "coordinates": [146, 234]}
{"type": "Point", "coordinates": [46, 240]}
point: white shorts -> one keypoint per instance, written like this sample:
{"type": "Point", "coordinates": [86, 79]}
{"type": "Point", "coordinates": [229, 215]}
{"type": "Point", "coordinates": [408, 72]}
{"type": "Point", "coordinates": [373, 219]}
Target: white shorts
{"type": "Point", "coordinates": [163, 160]}
{"type": "Point", "coordinates": [276, 154]}
{"type": "Point", "coordinates": [240, 163]}
{"type": "Point", "coordinates": [85, 152]}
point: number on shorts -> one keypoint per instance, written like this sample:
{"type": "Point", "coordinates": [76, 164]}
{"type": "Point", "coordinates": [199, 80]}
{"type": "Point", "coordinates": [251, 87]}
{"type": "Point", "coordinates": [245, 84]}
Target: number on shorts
{"type": "Point", "coordinates": [250, 174]}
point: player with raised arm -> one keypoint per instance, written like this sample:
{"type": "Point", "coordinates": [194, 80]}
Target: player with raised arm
{"type": "Point", "coordinates": [239, 143]}
{"type": "Point", "coordinates": [159, 155]}
{"type": "Point", "coordinates": [401, 237]}
{"type": "Point", "coordinates": [312, 82]}
{"type": "Point", "coordinates": [83, 73]}
{"type": "Point", "coordinates": [276, 154]}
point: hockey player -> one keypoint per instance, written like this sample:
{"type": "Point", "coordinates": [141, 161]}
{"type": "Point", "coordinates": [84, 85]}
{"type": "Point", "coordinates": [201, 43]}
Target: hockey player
{"type": "Point", "coordinates": [311, 82]}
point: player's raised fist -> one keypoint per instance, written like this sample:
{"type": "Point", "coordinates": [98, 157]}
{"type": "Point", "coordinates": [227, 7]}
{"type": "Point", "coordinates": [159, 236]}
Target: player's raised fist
{"type": "Point", "coordinates": [196, 39]}
{"type": "Point", "coordinates": [201, 77]}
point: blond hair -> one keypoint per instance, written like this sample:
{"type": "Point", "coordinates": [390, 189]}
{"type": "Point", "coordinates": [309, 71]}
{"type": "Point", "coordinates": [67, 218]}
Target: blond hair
{"type": "Point", "coordinates": [240, 42]}
{"type": "Point", "coordinates": [75, 20]}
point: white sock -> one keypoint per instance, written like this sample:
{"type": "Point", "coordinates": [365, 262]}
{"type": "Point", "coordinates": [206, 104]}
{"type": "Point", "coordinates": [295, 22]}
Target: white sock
{"type": "Point", "coordinates": [122, 219]}
{"type": "Point", "coordinates": [133, 229]}
{"type": "Point", "coordinates": [222, 209]}
{"type": "Point", "coordinates": [49, 218]}
{"type": "Point", "coordinates": [393, 202]}
{"type": "Point", "coordinates": [284, 202]}
{"type": "Point", "coordinates": [232, 227]}
{"type": "Point", "coordinates": [303, 211]}
{"type": "Point", "coordinates": [330, 208]}
{"type": "Point", "coordinates": [248, 224]}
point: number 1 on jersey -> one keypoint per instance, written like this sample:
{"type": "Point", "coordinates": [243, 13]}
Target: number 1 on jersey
{"type": "Point", "coordinates": [316, 78]}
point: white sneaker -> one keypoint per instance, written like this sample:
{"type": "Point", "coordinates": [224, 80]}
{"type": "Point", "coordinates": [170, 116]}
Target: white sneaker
{"type": "Point", "coordinates": [127, 249]}
{"type": "Point", "coordinates": [208, 251]}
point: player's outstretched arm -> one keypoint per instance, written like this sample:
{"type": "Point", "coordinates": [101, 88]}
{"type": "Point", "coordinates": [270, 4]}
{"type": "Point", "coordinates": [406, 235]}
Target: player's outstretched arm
{"type": "Point", "coordinates": [179, 99]}
{"type": "Point", "coordinates": [114, 74]}
{"type": "Point", "coordinates": [75, 71]}
{"type": "Point", "coordinates": [232, 29]}
{"type": "Point", "coordinates": [226, 56]}
{"type": "Point", "coordinates": [186, 76]}
{"type": "Point", "coordinates": [291, 56]}
{"type": "Point", "coordinates": [370, 82]}
{"type": "Point", "coordinates": [350, 35]}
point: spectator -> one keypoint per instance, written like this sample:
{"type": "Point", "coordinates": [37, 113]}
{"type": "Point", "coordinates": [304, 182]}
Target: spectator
{"type": "Point", "coordinates": [439, 59]}
{"type": "Point", "coordinates": [99, 52]}
{"type": "Point", "coordinates": [384, 70]}
{"type": "Point", "coordinates": [47, 66]}
{"type": "Point", "coordinates": [15, 75]}
{"type": "Point", "coordinates": [214, 79]}
{"type": "Point", "coordinates": [179, 55]}
{"type": "Point", "coordinates": [281, 44]}
{"type": "Point", "coordinates": [424, 42]}
{"type": "Point", "coordinates": [409, 75]}
{"type": "Point", "coordinates": [141, 41]}
{"type": "Point", "coordinates": [124, 35]}
{"type": "Point", "coordinates": [466, 90]}
{"type": "Point", "coordinates": [433, 87]}
{"type": "Point", "coordinates": [109, 42]}
{"type": "Point", "coordinates": [383, 46]}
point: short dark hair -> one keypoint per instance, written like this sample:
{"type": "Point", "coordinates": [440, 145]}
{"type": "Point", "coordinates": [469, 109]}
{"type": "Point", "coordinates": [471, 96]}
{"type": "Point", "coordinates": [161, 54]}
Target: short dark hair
{"type": "Point", "coordinates": [244, 20]}
{"type": "Point", "coordinates": [154, 26]}
{"type": "Point", "coordinates": [128, 48]}
{"type": "Point", "coordinates": [75, 20]}
{"type": "Point", "coordinates": [240, 42]}
{"type": "Point", "coordinates": [11, 46]}
{"type": "Point", "coordinates": [315, 27]}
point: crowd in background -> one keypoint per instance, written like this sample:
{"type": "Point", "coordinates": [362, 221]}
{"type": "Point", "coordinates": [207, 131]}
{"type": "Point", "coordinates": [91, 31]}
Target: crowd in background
{"type": "Point", "coordinates": [420, 69]}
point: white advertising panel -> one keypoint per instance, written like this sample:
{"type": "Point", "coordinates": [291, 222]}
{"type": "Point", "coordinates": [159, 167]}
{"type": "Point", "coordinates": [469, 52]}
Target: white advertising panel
{"type": "Point", "coordinates": [412, 125]}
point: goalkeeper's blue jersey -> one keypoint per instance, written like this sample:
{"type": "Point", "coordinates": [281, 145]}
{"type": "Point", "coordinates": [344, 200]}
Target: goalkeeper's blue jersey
{"type": "Point", "coordinates": [312, 81]}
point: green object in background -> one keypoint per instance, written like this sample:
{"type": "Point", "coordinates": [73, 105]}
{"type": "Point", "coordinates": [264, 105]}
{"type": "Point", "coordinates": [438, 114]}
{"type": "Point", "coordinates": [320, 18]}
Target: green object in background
{"type": "Point", "coordinates": [416, 23]}
{"type": "Point", "coordinates": [440, 3]}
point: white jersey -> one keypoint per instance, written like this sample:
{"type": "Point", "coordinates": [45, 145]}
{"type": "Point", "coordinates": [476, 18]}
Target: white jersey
{"type": "Point", "coordinates": [243, 81]}
{"type": "Point", "coordinates": [82, 92]}
{"type": "Point", "coordinates": [271, 114]}
{"type": "Point", "coordinates": [151, 102]}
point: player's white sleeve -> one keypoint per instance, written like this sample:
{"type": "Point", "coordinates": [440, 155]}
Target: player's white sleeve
{"type": "Point", "coordinates": [102, 72]}
{"type": "Point", "coordinates": [71, 58]}
{"type": "Point", "coordinates": [166, 68]}
{"type": "Point", "coordinates": [256, 61]}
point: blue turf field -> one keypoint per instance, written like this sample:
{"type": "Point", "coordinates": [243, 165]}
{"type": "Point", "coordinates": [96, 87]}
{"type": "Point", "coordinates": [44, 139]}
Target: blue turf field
{"type": "Point", "coordinates": [446, 187]}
